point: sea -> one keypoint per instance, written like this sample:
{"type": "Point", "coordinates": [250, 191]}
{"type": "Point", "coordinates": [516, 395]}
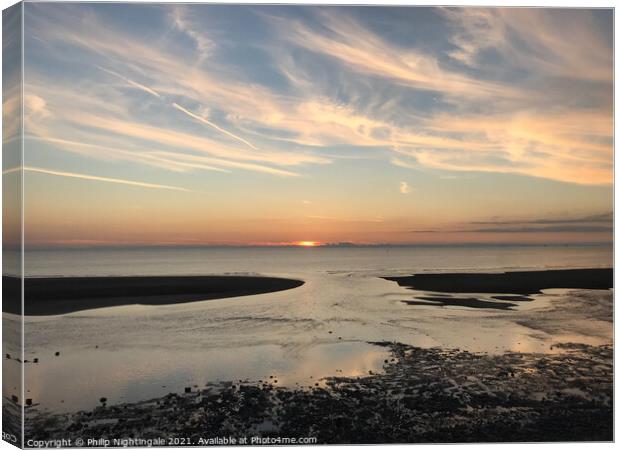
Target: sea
{"type": "Point", "coordinates": [298, 337]}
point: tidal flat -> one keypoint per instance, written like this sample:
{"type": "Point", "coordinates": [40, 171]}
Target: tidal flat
{"type": "Point", "coordinates": [344, 358]}
{"type": "Point", "coordinates": [422, 395]}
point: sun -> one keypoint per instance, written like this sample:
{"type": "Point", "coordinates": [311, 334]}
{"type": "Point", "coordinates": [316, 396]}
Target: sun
{"type": "Point", "coordinates": [307, 244]}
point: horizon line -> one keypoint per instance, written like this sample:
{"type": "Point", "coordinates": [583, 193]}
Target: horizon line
{"type": "Point", "coordinates": [315, 246]}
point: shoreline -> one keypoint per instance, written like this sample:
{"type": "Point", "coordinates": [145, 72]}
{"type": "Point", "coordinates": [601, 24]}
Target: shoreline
{"type": "Point", "coordinates": [54, 296]}
{"type": "Point", "coordinates": [63, 295]}
{"type": "Point", "coordinates": [423, 396]}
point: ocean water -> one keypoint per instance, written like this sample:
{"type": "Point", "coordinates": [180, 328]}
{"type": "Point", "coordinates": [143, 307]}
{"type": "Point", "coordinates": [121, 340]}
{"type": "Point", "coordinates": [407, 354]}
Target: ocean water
{"type": "Point", "coordinates": [298, 260]}
{"type": "Point", "coordinates": [299, 336]}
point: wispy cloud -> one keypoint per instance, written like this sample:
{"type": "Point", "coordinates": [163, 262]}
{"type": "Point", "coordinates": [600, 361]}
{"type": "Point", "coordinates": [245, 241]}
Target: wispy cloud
{"type": "Point", "coordinates": [549, 116]}
{"type": "Point", "coordinates": [150, 158]}
{"type": "Point", "coordinates": [204, 45]}
{"type": "Point", "coordinates": [350, 43]}
{"type": "Point", "coordinates": [515, 133]}
{"type": "Point", "coordinates": [567, 42]}
{"type": "Point", "coordinates": [180, 108]}
{"type": "Point", "coordinates": [547, 229]}
{"type": "Point", "coordinates": [104, 179]}
{"type": "Point", "coordinates": [592, 223]}
{"type": "Point", "coordinates": [404, 187]}
{"type": "Point", "coordinates": [594, 218]}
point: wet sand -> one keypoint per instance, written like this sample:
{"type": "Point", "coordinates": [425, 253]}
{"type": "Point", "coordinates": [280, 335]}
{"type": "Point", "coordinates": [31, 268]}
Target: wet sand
{"type": "Point", "coordinates": [424, 395]}
{"type": "Point", "coordinates": [524, 283]}
{"type": "Point", "coordinates": [52, 296]}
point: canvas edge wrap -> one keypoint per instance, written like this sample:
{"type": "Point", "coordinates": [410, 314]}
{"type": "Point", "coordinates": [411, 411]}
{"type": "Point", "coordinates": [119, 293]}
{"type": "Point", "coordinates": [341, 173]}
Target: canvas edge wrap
{"type": "Point", "coordinates": [12, 225]}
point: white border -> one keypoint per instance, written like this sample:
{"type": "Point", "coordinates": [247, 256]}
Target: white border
{"type": "Point", "coordinates": [544, 3]}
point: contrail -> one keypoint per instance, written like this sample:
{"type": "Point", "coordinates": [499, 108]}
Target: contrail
{"type": "Point", "coordinates": [211, 124]}
{"type": "Point", "coordinates": [133, 83]}
{"type": "Point", "coordinates": [179, 107]}
{"type": "Point", "coordinates": [105, 179]}
{"type": "Point", "coordinates": [11, 170]}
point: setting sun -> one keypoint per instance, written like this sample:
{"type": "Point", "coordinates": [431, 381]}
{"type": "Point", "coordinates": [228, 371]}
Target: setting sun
{"type": "Point", "coordinates": [307, 243]}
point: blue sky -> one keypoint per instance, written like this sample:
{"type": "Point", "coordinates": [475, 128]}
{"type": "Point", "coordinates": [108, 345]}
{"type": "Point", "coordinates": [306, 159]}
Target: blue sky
{"type": "Point", "coordinates": [204, 124]}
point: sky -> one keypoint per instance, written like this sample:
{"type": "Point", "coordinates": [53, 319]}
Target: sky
{"type": "Point", "coordinates": [266, 125]}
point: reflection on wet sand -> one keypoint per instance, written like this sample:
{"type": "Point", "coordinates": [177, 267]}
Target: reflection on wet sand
{"type": "Point", "coordinates": [422, 395]}
{"type": "Point", "coordinates": [112, 373]}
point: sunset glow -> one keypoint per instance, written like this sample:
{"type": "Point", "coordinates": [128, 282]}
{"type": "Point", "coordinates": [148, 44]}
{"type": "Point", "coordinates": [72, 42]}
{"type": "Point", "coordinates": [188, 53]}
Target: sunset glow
{"type": "Point", "coordinates": [307, 244]}
{"type": "Point", "coordinates": [338, 127]}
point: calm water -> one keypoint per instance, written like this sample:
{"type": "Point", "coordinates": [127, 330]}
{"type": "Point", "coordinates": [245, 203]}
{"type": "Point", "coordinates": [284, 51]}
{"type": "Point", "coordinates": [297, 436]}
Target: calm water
{"type": "Point", "coordinates": [278, 261]}
{"type": "Point", "coordinates": [137, 352]}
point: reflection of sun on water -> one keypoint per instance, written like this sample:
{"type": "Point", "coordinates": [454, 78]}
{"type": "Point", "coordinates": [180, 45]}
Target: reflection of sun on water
{"type": "Point", "coordinates": [307, 244]}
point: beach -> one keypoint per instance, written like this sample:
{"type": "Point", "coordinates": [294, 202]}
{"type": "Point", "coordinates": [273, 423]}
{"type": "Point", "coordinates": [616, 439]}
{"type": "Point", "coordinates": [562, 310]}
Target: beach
{"type": "Point", "coordinates": [452, 378]}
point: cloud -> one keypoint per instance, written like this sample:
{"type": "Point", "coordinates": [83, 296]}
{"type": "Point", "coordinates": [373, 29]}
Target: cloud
{"type": "Point", "coordinates": [576, 224]}
{"type": "Point", "coordinates": [402, 163]}
{"type": "Point", "coordinates": [571, 146]}
{"type": "Point", "coordinates": [173, 161]}
{"type": "Point", "coordinates": [548, 229]}
{"type": "Point", "coordinates": [11, 107]}
{"type": "Point", "coordinates": [104, 179]}
{"type": "Point", "coordinates": [204, 45]}
{"type": "Point", "coordinates": [196, 161]}
{"type": "Point", "coordinates": [567, 42]}
{"type": "Point", "coordinates": [604, 217]}
{"type": "Point", "coordinates": [120, 138]}
{"type": "Point", "coordinates": [180, 108]}
{"type": "Point", "coordinates": [404, 187]}
{"type": "Point", "coordinates": [115, 114]}
{"type": "Point", "coordinates": [35, 106]}
{"type": "Point", "coordinates": [352, 45]}
{"type": "Point", "coordinates": [149, 158]}
{"type": "Point", "coordinates": [532, 127]}
{"type": "Point", "coordinates": [546, 115]}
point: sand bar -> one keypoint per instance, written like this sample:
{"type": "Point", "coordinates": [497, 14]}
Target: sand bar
{"type": "Point", "coordinates": [52, 296]}
{"type": "Point", "coordinates": [523, 283]}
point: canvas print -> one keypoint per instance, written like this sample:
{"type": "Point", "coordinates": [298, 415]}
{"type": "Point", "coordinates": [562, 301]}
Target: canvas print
{"type": "Point", "coordinates": [302, 225]}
